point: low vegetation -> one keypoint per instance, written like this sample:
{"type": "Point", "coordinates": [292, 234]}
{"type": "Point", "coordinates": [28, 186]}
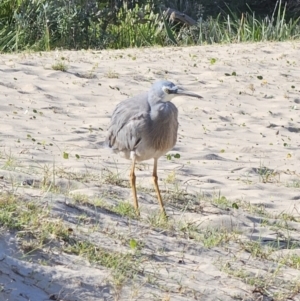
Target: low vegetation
{"type": "Point", "coordinates": [39, 228]}
{"type": "Point", "coordinates": [45, 25]}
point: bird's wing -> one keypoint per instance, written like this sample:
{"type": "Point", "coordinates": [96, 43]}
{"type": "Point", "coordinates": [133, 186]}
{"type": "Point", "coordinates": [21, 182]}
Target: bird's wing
{"type": "Point", "coordinates": [128, 122]}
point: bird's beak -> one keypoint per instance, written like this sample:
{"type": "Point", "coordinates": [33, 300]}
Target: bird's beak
{"type": "Point", "coordinates": [182, 92]}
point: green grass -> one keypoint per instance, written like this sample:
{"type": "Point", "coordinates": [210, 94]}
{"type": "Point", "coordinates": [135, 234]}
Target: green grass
{"type": "Point", "coordinates": [60, 66]}
{"type": "Point", "coordinates": [43, 25]}
{"type": "Point", "coordinates": [38, 228]}
{"type": "Point", "coordinates": [124, 266]}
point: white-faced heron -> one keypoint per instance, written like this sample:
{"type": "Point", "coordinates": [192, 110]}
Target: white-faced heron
{"type": "Point", "coordinates": [145, 127]}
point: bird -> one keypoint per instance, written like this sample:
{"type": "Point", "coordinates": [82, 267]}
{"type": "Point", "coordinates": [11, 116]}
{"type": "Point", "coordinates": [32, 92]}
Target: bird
{"type": "Point", "coordinates": [145, 127]}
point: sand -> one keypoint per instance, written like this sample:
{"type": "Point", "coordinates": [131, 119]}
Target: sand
{"type": "Point", "coordinates": [238, 172]}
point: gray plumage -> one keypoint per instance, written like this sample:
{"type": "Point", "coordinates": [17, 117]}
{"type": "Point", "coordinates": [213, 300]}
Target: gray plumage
{"type": "Point", "coordinates": [145, 126]}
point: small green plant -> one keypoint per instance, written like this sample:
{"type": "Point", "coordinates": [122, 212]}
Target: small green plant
{"type": "Point", "coordinates": [111, 74]}
{"type": "Point", "coordinates": [293, 184]}
{"type": "Point", "coordinates": [114, 178]}
{"type": "Point", "coordinates": [123, 266]}
{"type": "Point", "coordinates": [217, 237]}
{"type": "Point", "coordinates": [170, 156]}
{"type": "Point", "coordinates": [125, 209]}
{"type": "Point", "coordinates": [10, 161]}
{"type": "Point", "coordinates": [80, 198]}
{"type": "Point", "coordinates": [266, 175]}
{"type": "Point", "coordinates": [60, 66]}
{"type": "Point", "coordinates": [213, 61]}
{"type": "Point", "coordinates": [223, 203]}
{"type": "Point", "coordinates": [157, 220]}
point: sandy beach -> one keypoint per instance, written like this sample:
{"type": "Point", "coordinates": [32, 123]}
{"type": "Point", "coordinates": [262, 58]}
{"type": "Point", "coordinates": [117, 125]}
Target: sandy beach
{"type": "Point", "coordinates": [233, 196]}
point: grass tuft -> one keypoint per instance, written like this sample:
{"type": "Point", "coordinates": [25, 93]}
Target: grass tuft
{"type": "Point", "coordinates": [60, 66]}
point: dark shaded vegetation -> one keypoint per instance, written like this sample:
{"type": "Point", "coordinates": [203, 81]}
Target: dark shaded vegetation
{"type": "Point", "coordinates": [77, 24]}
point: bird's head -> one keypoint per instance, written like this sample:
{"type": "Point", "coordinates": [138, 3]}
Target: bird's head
{"type": "Point", "coordinates": [164, 90]}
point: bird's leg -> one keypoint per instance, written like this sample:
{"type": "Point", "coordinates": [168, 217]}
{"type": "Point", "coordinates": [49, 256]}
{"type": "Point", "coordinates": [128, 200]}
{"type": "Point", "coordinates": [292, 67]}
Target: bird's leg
{"type": "Point", "coordinates": [154, 175]}
{"type": "Point", "coordinates": [132, 183]}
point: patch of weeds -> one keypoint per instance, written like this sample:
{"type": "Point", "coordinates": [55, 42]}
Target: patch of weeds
{"type": "Point", "coordinates": [170, 178]}
{"type": "Point", "coordinates": [124, 209]}
{"type": "Point", "coordinates": [268, 283]}
{"type": "Point", "coordinates": [111, 74]}
{"type": "Point", "coordinates": [35, 227]}
{"type": "Point", "coordinates": [10, 162]}
{"type": "Point", "coordinates": [34, 223]}
{"type": "Point", "coordinates": [123, 266]}
{"type": "Point", "coordinates": [9, 212]}
{"type": "Point", "coordinates": [60, 66]}
{"type": "Point", "coordinates": [76, 176]}
{"type": "Point", "coordinates": [178, 197]}
{"type": "Point", "coordinates": [258, 209]}
{"type": "Point", "coordinates": [113, 178]}
{"type": "Point", "coordinates": [258, 281]}
{"type": "Point", "coordinates": [293, 184]}
{"type": "Point", "coordinates": [288, 217]}
{"type": "Point", "coordinates": [190, 229]}
{"type": "Point", "coordinates": [217, 237]}
{"type": "Point", "coordinates": [80, 198]}
{"type": "Point", "coordinates": [257, 249]}
{"type": "Point", "coordinates": [267, 175]}
{"type": "Point", "coordinates": [173, 192]}
{"type": "Point", "coordinates": [158, 220]}
{"type": "Point", "coordinates": [54, 229]}
{"type": "Point", "coordinates": [210, 237]}
{"type": "Point", "coordinates": [48, 182]}
{"type": "Point", "coordinates": [91, 73]}
{"type": "Point", "coordinates": [282, 225]}
{"type": "Point", "coordinates": [292, 260]}
{"type": "Point", "coordinates": [100, 203]}
{"type": "Point", "coordinates": [222, 202]}
{"type": "Point", "coordinates": [50, 186]}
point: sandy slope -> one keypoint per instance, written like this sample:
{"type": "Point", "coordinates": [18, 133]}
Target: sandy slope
{"type": "Point", "coordinates": [241, 142]}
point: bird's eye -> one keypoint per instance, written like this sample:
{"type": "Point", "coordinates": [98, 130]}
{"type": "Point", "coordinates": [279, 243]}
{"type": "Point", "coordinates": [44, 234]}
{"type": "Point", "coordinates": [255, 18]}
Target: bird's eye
{"type": "Point", "coordinates": [167, 91]}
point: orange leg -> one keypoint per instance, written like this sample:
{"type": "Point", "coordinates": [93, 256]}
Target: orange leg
{"type": "Point", "coordinates": [154, 175]}
{"type": "Point", "coordinates": [133, 187]}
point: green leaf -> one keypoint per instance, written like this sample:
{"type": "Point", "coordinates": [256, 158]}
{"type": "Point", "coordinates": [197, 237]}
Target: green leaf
{"type": "Point", "coordinates": [66, 155]}
{"type": "Point", "coordinates": [177, 156]}
{"type": "Point", "coordinates": [77, 156]}
{"type": "Point", "coordinates": [169, 31]}
{"type": "Point", "coordinates": [213, 61]}
{"type": "Point", "coordinates": [259, 77]}
{"type": "Point", "coordinates": [235, 206]}
{"type": "Point", "coordinates": [133, 244]}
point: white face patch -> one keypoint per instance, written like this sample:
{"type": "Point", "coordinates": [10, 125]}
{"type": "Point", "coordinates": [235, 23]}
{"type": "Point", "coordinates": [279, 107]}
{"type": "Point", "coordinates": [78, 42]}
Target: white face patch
{"type": "Point", "coordinates": [169, 92]}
